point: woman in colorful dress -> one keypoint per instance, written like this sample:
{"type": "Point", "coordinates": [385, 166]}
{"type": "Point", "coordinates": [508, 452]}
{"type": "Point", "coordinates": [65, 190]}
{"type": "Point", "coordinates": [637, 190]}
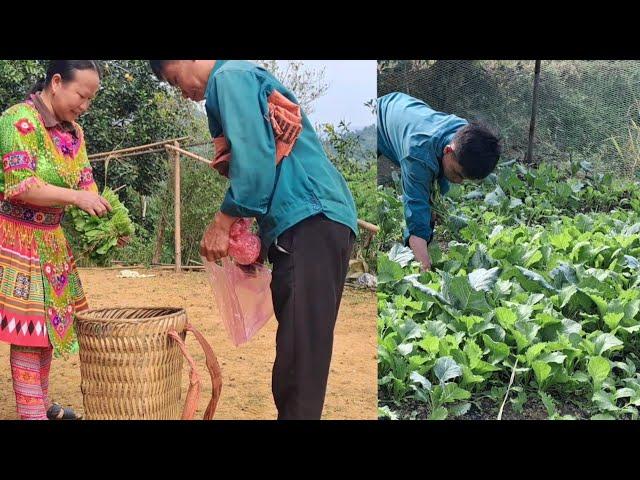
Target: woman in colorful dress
{"type": "Point", "coordinates": [44, 169]}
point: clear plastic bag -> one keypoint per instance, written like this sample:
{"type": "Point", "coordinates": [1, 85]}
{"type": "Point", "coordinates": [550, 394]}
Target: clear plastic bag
{"type": "Point", "coordinates": [243, 296]}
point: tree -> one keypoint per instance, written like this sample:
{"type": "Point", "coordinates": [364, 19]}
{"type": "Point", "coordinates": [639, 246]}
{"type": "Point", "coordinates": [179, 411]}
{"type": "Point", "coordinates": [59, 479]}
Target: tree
{"type": "Point", "coordinates": [308, 84]}
{"type": "Point", "coordinates": [16, 79]}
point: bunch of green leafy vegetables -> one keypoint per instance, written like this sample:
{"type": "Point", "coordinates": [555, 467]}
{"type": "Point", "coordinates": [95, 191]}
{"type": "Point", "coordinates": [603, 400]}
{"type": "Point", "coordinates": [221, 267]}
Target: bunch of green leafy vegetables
{"type": "Point", "coordinates": [529, 299]}
{"type": "Point", "coordinates": [98, 236]}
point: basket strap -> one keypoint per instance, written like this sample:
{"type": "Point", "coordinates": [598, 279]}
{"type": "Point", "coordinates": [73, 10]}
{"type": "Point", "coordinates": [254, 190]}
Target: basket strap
{"type": "Point", "coordinates": [193, 394]}
{"type": "Point", "coordinates": [214, 370]}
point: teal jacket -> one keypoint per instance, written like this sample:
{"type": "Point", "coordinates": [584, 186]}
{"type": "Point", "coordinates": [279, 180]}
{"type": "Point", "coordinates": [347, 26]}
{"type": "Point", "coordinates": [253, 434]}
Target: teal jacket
{"type": "Point", "coordinates": [305, 183]}
{"type": "Point", "coordinates": [413, 135]}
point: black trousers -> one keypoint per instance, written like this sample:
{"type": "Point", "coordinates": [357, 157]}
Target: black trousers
{"type": "Point", "coordinates": [310, 262]}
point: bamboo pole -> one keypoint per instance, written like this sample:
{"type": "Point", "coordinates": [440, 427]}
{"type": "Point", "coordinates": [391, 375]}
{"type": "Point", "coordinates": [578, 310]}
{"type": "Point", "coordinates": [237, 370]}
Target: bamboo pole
{"type": "Point", "coordinates": [132, 149]}
{"type": "Point", "coordinates": [188, 154]}
{"type": "Point", "coordinates": [172, 267]}
{"type": "Point", "coordinates": [176, 212]}
{"type": "Point", "coordinates": [147, 152]}
{"type": "Point", "coordinates": [118, 157]}
{"type": "Point", "coordinates": [369, 226]}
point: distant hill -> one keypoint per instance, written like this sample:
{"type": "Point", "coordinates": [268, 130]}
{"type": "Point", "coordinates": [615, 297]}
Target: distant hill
{"type": "Point", "coordinates": [367, 140]}
{"type": "Point", "coordinates": [368, 137]}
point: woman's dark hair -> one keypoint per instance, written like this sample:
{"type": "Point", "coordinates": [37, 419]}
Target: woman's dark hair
{"type": "Point", "coordinates": [66, 69]}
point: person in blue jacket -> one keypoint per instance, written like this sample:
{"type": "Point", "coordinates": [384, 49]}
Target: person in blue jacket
{"type": "Point", "coordinates": [280, 175]}
{"type": "Point", "coordinates": [429, 147]}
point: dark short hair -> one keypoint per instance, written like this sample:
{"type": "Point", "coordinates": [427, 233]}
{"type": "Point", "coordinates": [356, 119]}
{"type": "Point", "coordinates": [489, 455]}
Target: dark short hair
{"type": "Point", "coordinates": [67, 70]}
{"type": "Point", "coordinates": [477, 149]}
{"type": "Point", "coordinates": [157, 66]}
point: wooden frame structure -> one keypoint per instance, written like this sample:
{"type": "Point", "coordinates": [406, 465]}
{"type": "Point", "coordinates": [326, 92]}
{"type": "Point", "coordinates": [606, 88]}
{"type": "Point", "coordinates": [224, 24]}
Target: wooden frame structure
{"type": "Point", "coordinates": [176, 152]}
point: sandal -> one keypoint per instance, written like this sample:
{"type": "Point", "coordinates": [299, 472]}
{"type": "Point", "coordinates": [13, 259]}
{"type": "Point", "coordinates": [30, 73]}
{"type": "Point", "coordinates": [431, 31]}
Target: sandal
{"type": "Point", "coordinates": [58, 412]}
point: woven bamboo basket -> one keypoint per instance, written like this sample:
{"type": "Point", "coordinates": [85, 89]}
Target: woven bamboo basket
{"type": "Point", "coordinates": [131, 363]}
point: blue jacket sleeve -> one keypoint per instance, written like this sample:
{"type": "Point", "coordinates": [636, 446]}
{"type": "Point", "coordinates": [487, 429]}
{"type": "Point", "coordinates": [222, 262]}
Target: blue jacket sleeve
{"type": "Point", "coordinates": [242, 99]}
{"type": "Point", "coordinates": [417, 180]}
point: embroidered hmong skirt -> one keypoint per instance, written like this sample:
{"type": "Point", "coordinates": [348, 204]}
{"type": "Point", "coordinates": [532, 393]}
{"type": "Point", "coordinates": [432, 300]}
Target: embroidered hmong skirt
{"type": "Point", "coordinates": [40, 290]}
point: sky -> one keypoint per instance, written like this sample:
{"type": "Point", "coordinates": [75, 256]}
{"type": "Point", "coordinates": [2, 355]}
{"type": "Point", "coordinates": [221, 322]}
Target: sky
{"type": "Point", "coordinates": [351, 84]}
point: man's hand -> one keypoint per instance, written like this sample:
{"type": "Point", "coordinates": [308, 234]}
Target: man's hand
{"type": "Point", "coordinates": [420, 251]}
{"type": "Point", "coordinates": [215, 241]}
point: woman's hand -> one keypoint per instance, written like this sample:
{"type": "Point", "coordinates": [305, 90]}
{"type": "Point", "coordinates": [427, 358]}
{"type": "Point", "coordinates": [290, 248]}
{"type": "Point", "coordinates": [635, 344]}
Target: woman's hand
{"type": "Point", "coordinates": [91, 202]}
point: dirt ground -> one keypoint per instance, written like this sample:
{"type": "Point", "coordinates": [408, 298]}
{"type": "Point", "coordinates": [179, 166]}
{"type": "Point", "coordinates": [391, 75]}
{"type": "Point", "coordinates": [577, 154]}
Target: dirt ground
{"type": "Point", "coordinates": [246, 370]}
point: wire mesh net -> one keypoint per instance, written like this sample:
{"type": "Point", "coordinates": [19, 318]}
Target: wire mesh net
{"type": "Point", "coordinates": [586, 110]}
